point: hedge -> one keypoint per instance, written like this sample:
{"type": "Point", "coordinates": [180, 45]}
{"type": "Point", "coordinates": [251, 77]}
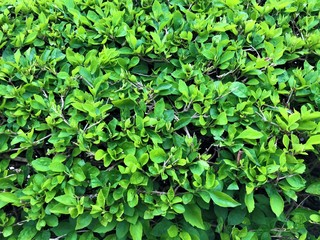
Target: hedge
{"type": "Point", "coordinates": [155, 119]}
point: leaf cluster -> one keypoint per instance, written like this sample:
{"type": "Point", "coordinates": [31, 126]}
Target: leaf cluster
{"type": "Point", "coordinates": [159, 119]}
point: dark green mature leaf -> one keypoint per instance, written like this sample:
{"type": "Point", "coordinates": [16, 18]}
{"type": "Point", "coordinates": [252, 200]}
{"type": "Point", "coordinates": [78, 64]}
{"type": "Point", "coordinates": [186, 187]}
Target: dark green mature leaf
{"type": "Point", "coordinates": [192, 215]}
{"type": "Point", "coordinates": [184, 121]}
{"type": "Point", "coordinates": [83, 221]}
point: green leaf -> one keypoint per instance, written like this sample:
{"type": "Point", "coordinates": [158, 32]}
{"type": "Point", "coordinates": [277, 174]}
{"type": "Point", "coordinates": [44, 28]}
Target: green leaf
{"type": "Point", "coordinates": [92, 16]}
{"type": "Point", "coordinates": [100, 154]}
{"type": "Point", "coordinates": [7, 231]}
{"type": "Point", "coordinates": [69, 4]}
{"type": "Point", "coordinates": [221, 119]}
{"type": "Point", "coordinates": [101, 201]}
{"type": "Point", "coordinates": [185, 235]}
{"type": "Point", "coordinates": [122, 229]}
{"type": "Point", "coordinates": [192, 215]}
{"type": "Point", "coordinates": [159, 108]}
{"type": "Point", "coordinates": [136, 231]}
{"type": "Point", "coordinates": [57, 167]}
{"type": "Point", "coordinates": [276, 201]}
{"type": "Point", "coordinates": [226, 56]}
{"type": "Point", "coordinates": [239, 89]}
{"type": "Point", "coordinates": [78, 174]}
{"type": "Point", "coordinates": [143, 159]}
{"type": "Point", "coordinates": [315, 218]}
{"type": "Point", "coordinates": [83, 221]}
{"type": "Point", "coordinates": [51, 220]}
{"type": "Point", "coordinates": [130, 160]}
{"type": "Point", "coordinates": [232, 3]}
{"type": "Point", "coordinates": [223, 199]}
{"type": "Point", "coordinates": [27, 233]}
{"type": "Point", "coordinates": [124, 103]}
{"type": "Point", "coordinates": [313, 140]}
{"type": "Point", "coordinates": [236, 216]}
{"type": "Point", "coordinates": [158, 155]}
{"type": "Point", "coordinates": [31, 37]}
{"type": "Point", "coordinates": [66, 200]}
{"type": "Point", "coordinates": [74, 58]}
{"type": "Point", "coordinates": [182, 122]}
{"type": "Point", "coordinates": [8, 197]}
{"type": "Point", "coordinates": [249, 201]}
{"type": "Point", "coordinates": [250, 133]}
{"type": "Point", "coordinates": [156, 39]}
{"type": "Point", "coordinates": [41, 164]}
{"type": "Point", "coordinates": [183, 88]}
{"type": "Point", "coordinates": [314, 188]}
{"type": "Point", "coordinates": [173, 231]}
{"type": "Point", "coordinates": [156, 8]}
{"type": "Point", "coordinates": [178, 208]}
{"type": "Point", "coordinates": [59, 208]}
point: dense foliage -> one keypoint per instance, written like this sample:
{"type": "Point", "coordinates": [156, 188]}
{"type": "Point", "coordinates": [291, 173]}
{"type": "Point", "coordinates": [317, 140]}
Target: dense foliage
{"type": "Point", "coordinates": [156, 119]}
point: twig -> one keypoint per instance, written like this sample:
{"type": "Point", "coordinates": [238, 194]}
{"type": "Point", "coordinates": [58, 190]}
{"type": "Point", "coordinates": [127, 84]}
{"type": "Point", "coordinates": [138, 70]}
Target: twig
{"type": "Point", "coordinates": [289, 98]}
{"type": "Point", "coordinates": [62, 236]}
{"type": "Point", "coordinates": [187, 132]}
{"type": "Point", "coordinates": [42, 139]}
{"type": "Point", "coordinates": [226, 74]}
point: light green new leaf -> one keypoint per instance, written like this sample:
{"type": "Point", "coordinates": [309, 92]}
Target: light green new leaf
{"type": "Point", "coordinates": [232, 3]}
{"type": "Point", "coordinates": [31, 37]}
{"type": "Point", "coordinates": [101, 201]}
{"type": "Point", "coordinates": [173, 231]}
{"type": "Point", "coordinates": [223, 199]}
{"type": "Point", "coordinates": [66, 200]}
{"type": "Point", "coordinates": [249, 201]}
{"type": "Point", "coordinates": [183, 88]}
{"type": "Point", "coordinates": [313, 140]}
{"type": "Point", "coordinates": [158, 155]}
{"type": "Point", "coordinates": [192, 215]}
{"type": "Point", "coordinates": [315, 218]}
{"type": "Point", "coordinates": [99, 154]}
{"type": "Point", "coordinates": [8, 197]}
{"type": "Point", "coordinates": [250, 133]}
{"type": "Point", "coordinates": [314, 188]}
{"type": "Point", "coordinates": [136, 231]}
{"type": "Point", "coordinates": [221, 119]}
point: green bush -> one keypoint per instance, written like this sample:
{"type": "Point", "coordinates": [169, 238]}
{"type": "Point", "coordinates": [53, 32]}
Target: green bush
{"type": "Point", "coordinates": [157, 119]}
